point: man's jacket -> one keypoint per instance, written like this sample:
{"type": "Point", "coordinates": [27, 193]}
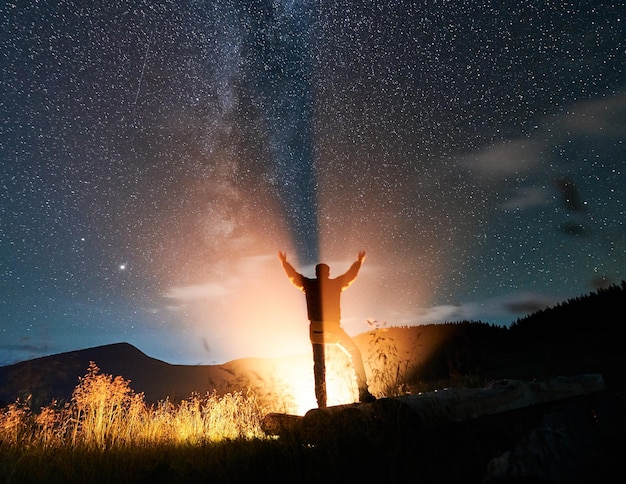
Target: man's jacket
{"type": "Point", "coordinates": [322, 295]}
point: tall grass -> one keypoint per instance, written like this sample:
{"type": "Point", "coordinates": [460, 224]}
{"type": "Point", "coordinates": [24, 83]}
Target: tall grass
{"type": "Point", "coordinates": [389, 369]}
{"type": "Point", "coordinates": [108, 433]}
{"type": "Point", "coordinates": [104, 413]}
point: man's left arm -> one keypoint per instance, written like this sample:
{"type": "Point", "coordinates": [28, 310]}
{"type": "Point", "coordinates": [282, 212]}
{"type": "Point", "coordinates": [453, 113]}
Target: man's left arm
{"type": "Point", "coordinates": [350, 275]}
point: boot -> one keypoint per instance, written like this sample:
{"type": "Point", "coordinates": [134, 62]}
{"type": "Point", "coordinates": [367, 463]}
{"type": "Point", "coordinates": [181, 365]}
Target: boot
{"type": "Point", "coordinates": [365, 396]}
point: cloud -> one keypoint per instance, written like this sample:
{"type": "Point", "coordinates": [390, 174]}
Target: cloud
{"type": "Point", "coordinates": [256, 263]}
{"type": "Point", "coordinates": [217, 286]}
{"type": "Point", "coordinates": [499, 310]}
{"type": "Point", "coordinates": [13, 353]}
{"type": "Point", "coordinates": [25, 347]}
{"type": "Point", "coordinates": [526, 197]}
{"type": "Point", "coordinates": [208, 290]}
{"type": "Point", "coordinates": [526, 303]}
{"type": "Point", "coordinates": [505, 159]}
{"type": "Point", "coordinates": [446, 312]}
{"type": "Point", "coordinates": [600, 117]}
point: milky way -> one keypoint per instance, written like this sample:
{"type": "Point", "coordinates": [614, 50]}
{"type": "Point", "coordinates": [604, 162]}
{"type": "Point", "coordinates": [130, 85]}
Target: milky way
{"type": "Point", "coordinates": [156, 155]}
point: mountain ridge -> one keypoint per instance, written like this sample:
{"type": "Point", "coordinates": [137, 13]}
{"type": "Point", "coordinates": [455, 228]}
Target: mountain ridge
{"type": "Point", "coordinates": [54, 377]}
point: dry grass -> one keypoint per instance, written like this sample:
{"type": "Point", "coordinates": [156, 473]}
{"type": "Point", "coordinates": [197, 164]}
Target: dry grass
{"type": "Point", "coordinates": [106, 413]}
{"type": "Point", "coordinates": [107, 433]}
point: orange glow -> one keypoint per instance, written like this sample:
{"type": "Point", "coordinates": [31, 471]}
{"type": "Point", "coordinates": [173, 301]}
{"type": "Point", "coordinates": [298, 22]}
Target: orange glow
{"type": "Point", "coordinates": [340, 383]}
{"type": "Point", "coordinates": [291, 389]}
{"type": "Point", "coordinates": [286, 384]}
{"type": "Point", "coordinates": [340, 378]}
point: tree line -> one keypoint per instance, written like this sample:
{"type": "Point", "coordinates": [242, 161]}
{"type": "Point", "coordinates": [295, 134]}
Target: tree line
{"type": "Point", "coordinates": [585, 328]}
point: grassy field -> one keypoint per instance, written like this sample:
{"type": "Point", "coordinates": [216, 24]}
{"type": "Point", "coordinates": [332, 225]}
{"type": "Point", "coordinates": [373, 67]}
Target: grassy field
{"type": "Point", "coordinates": [107, 433]}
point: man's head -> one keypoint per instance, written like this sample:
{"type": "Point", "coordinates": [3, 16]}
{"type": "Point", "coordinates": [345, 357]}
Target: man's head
{"type": "Point", "coordinates": [322, 271]}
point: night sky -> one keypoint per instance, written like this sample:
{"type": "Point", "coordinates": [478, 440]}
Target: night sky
{"type": "Point", "coordinates": [155, 156]}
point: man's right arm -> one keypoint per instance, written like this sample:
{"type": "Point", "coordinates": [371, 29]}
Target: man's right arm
{"type": "Point", "coordinates": [295, 278]}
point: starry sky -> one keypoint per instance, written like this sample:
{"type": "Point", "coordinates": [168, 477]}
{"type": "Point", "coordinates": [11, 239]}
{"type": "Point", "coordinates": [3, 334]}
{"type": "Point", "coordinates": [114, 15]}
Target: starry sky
{"type": "Point", "coordinates": [155, 156]}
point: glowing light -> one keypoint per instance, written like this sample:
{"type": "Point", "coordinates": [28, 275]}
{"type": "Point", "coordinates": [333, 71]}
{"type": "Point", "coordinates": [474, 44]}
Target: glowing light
{"type": "Point", "coordinates": [340, 378]}
{"type": "Point", "coordinates": [294, 391]}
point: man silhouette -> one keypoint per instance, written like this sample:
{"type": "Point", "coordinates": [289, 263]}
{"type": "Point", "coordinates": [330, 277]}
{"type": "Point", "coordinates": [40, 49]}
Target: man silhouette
{"type": "Point", "coordinates": [324, 313]}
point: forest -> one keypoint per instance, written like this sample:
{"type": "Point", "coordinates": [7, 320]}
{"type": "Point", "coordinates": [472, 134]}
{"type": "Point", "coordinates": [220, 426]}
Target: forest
{"type": "Point", "coordinates": [581, 335]}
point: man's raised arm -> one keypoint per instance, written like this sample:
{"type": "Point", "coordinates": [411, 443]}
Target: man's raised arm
{"type": "Point", "coordinates": [350, 275]}
{"type": "Point", "coordinates": [294, 277]}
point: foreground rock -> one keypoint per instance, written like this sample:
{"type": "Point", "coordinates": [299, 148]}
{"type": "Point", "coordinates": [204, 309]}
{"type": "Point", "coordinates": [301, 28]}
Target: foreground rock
{"type": "Point", "coordinates": [551, 430]}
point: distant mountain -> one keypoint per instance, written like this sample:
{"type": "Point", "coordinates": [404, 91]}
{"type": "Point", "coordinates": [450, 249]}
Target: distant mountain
{"type": "Point", "coordinates": [582, 335]}
{"type": "Point", "coordinates": [56, 376]}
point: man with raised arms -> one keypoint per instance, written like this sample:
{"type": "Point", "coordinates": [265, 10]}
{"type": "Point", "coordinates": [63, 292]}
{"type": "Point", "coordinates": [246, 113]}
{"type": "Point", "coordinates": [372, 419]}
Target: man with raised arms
{"type": "Point", "coordinates": [323, 307]}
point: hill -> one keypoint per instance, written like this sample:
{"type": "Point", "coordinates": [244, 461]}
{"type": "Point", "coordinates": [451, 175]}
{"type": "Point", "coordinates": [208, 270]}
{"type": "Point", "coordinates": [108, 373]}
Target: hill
{"type": "Point", "coordinates": [581, 335]}
{"type": "Point", "coordinates": [54, 377]}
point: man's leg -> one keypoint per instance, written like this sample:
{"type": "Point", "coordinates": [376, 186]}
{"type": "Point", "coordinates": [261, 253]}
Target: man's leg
{"type": "Point", "coordinates": [354, 354]}
{"type": "Point", "coordinates": [319, 372]}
